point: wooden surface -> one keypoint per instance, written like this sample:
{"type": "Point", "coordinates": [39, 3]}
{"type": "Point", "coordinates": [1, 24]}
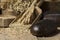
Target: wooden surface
{"type": "Point", "coordinates": [54, 37]}
{"type": "Point", "coordinates": [19, 32]}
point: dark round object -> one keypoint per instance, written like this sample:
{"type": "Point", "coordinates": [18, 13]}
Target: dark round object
{"type": "Point", "coordinates": [43, 28]}
{"type": "Point", "coordinates": [0, 10]}
{"type": "Point", "coordinates": [52, 15]}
